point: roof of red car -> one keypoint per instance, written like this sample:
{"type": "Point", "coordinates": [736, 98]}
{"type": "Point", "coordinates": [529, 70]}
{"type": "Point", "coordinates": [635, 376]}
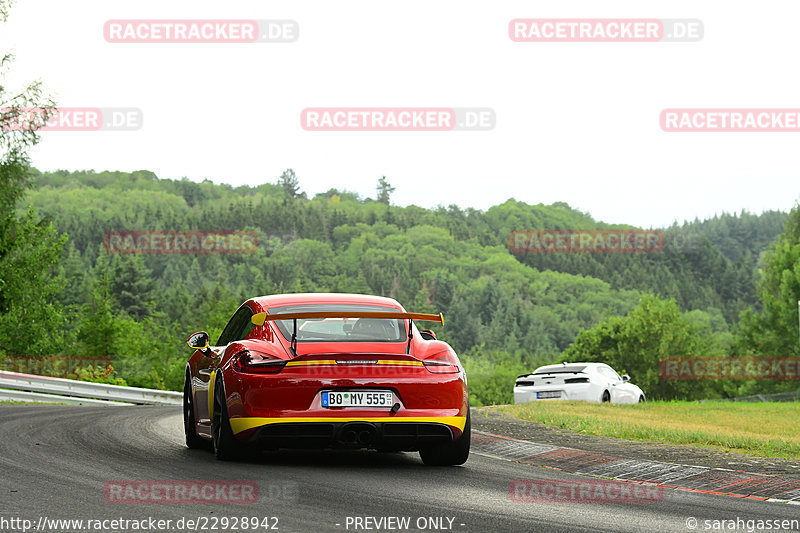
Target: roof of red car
{"type": "Point", "coordinates": [280, 300]}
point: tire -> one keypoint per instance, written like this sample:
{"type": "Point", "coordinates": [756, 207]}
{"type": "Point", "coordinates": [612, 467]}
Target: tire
{"type": "Point", "coordinates": [606, 397]}
{"type": "Point", "coordinates": [226, 447]}
{"type": "Point", "coordinates": [193, 441]}
{"type": "Point", "coordinates": [451, 453]}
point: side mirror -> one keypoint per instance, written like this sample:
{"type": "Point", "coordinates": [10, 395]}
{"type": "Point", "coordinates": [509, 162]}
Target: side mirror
{"type": "Point", "coordinates": [427, 334]}
{"type": "Point", "coordinates": [199, 341]}
{"type": "Point", "coordinates": [625, 378]}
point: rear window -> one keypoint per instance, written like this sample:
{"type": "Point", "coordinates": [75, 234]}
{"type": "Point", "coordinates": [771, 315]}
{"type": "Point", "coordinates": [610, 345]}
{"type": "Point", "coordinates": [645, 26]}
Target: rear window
{"type": "Point", "coordinates": [341, 329]}
{"type": "Point", "coordinates": [566, 369]}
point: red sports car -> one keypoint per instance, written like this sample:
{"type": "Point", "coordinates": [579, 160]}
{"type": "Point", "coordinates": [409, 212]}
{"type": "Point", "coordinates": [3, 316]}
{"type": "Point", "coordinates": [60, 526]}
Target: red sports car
{"type": "Point", "coordinates": [327, 371]}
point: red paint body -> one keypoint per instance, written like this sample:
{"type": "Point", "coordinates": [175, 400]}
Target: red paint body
{"type": "Point", "coordinates": [294, 391]}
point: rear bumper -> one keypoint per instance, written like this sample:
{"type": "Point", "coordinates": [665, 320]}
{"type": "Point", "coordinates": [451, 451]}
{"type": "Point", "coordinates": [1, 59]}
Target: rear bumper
{"type": "Point", "coordinates": [285, 409]}
{"type": "Point", "coordinates": [405, 435]}
{"type": "Point", "coordinates": [586, 392]}
{"type": "Point", "coordinates": [526, 394]}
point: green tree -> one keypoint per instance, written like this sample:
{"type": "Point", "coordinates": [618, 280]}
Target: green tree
{"type": "Point", "coordinates": [132, 285]}
{"type": "Point", "coordinates": [636, 343]}
{"type": "Point", "coordinates": [30, 321]}
{"type": "Point", "coordinates": [775, 331]}
{"type": "Point", "coordinates": [96, 331]}
{"type": "Point", "coordinates": [290, 184]}
{"type": "Point", "coordinates": [385, 190]}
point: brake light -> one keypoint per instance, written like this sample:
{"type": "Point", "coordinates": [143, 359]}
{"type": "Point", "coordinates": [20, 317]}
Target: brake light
{"type": "Point", "coordinates": [253, 362]}
{"type": "Point", "coordinates": [576, 380]}
{"type": "Point", "coordinates": [446, 363]}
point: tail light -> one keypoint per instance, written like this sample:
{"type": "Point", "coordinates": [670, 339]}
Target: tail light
{"type": "Point", "coordinates": [576, 380]}
{"type": "Point", "coordinates": [446, 363]}
{"type": "Point", "coordinates": [253, 362]}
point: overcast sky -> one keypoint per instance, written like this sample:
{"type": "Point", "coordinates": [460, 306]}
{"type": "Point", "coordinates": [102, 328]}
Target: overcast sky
{"type": "Point", "coordinates": [575, 122]}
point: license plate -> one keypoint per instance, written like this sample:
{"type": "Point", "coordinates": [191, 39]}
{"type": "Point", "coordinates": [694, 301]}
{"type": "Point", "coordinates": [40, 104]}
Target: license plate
{"type": "Point", "coordinates": [548, 394]}
{"type": "Point", "coordinates": [358, 399]}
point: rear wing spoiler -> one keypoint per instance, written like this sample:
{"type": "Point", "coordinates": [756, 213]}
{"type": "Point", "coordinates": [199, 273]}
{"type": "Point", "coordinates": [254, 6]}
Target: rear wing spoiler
{"type": "Point", "coordinates": [555, 371]}
{"type": "Point", "coordinates": [260, 318]}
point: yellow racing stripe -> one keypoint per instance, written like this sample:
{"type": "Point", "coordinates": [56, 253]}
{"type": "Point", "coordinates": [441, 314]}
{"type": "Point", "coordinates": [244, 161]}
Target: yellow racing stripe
{"type": "Point", "coordinates": [211, 382]}
{"type": "Point", "coordinates": [244, 423]}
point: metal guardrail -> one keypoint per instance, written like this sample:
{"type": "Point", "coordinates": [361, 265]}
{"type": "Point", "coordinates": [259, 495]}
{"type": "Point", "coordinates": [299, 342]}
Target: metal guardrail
{"type": "Point", "coordinates": [36, 397]}
{"type": "Point", "coordinates": [84, 389]}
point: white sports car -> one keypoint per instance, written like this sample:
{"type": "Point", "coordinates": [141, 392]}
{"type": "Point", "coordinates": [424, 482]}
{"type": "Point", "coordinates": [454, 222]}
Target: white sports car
{"type": "Point", "coordinates": [589, 382]}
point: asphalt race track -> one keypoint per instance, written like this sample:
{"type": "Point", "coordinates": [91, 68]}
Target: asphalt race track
{"type": "Point", "coordinates": [56, 461]}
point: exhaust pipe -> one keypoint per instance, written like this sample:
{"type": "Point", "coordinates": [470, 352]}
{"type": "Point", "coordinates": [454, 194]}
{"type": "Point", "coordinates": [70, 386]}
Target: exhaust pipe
{"type": "Point", "coordinates": [358, 434]}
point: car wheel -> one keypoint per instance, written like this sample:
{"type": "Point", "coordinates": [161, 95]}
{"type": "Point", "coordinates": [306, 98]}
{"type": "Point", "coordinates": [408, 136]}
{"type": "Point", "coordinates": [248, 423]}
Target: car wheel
{"type": "Point", "coordinates": [226, 447]}
{"type": "Point", "coordinates": [606, 397]}
{"type": "Point", "coordinates": [193, 441]}
{"type": "Point", "coordinates": [451, 453]}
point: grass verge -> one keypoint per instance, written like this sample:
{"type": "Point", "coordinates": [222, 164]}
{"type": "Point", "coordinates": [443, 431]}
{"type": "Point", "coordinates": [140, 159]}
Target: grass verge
{"type": "Point", "coordinates": [761, 429]}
